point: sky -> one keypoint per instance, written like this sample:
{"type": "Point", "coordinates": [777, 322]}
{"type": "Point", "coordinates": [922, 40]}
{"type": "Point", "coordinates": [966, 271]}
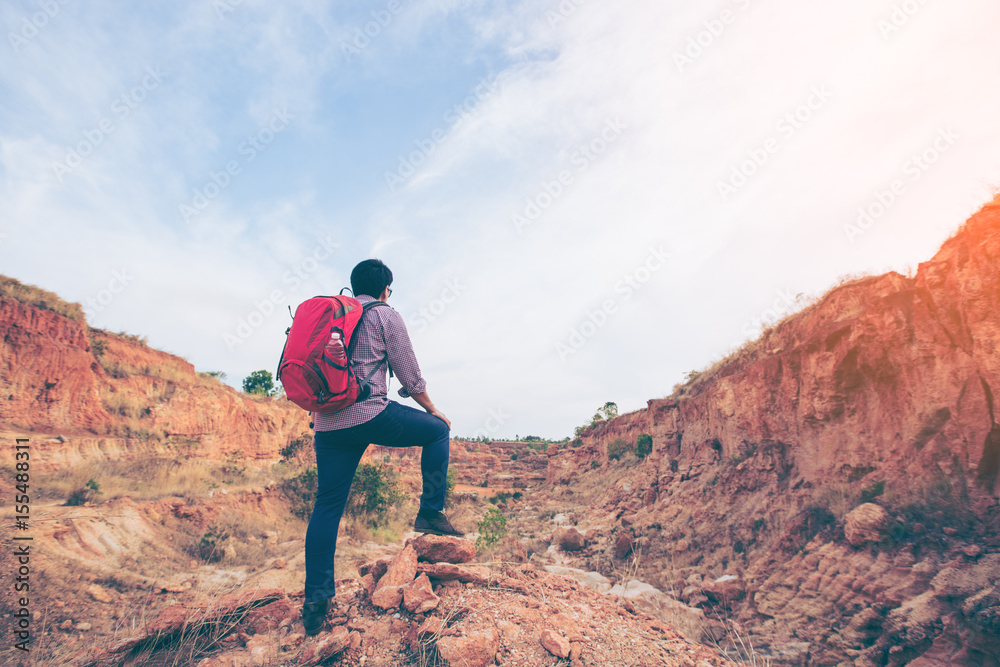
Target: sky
{"type": "Point", "coordinates": [580, 201]}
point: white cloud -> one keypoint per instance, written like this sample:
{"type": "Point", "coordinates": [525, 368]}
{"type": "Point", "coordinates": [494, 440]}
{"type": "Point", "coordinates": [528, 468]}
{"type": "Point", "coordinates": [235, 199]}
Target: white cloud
{"type": "Point", "coordinates": [656, 184]}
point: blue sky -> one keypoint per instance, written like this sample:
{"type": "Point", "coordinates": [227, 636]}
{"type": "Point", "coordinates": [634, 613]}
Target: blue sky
{"type": "Point", "coordinates": [580, 201]}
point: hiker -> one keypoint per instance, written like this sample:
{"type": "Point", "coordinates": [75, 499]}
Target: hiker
{"type": "Point", "coordinates": [380, 343]}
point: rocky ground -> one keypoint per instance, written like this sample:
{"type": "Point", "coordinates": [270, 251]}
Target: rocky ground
{"type": "Point", "coordinates": [427, 604]}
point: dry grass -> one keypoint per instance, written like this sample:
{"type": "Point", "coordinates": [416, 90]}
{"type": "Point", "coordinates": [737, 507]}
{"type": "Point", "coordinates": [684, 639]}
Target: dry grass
{"type": "Point", "coordinates": [151, 479]}
{"type": "Point", "coordinates": [117, 369]}
{"type": "Point", "coordinates": [246, 541]}
{"type": "Point", "coordinates": [39, 298]}
{"type": "Point", "coordinates": [126, 405]}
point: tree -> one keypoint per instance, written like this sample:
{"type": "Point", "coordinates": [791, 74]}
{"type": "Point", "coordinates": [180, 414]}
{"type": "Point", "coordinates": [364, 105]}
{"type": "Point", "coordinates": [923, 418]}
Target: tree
{"type": "Point", "coordinates": [259, 382]}
{"type": "Point", "coordinates": [610, 410]}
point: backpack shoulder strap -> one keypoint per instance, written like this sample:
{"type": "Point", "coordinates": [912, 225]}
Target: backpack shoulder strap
{"type": "Point", "coordinates": [350, 346]}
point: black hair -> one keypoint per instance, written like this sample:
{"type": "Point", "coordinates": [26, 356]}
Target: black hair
{"type": "Point", "coordinates": [370, 277]}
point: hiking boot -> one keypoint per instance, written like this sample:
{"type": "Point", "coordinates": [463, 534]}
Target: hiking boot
{"type": "Point", "coordinates": [435, 523]}
{"type": "Point", "coordinates": [313, 616]}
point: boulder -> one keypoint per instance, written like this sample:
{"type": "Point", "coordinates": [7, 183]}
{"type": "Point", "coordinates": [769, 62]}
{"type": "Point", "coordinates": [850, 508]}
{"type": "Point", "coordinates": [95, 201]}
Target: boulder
{"type": "Point", "coordinates": [865, 523]}
{"type": "Point", "coordinates": [401, 571]}
{"type": "Point", "coordinates": [443, 549]}
{"type": "Point", "coordinates": [569, 539]}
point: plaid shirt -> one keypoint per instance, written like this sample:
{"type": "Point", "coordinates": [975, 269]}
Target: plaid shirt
{"type": "Point", "coordinates": [381, 332]}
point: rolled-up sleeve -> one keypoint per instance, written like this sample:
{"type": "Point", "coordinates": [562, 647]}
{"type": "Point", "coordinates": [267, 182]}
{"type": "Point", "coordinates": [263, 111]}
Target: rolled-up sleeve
{"type": "Point", "coordinates": [401, 357]}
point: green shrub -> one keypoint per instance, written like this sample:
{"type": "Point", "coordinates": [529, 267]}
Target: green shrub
{"type": "Point", "coordinates": [83, 495]}
{"type": "Point", "coordinates": [449, 487]}
{"type": "Point", "coordinates": [374, 492]}
{"type": "Point", "coordinates": [872, 491]}
{"type": "Point", "coordinates": [210, 547]}
{"type": "Point", "coordinates": [644, 445]}
{"type": "Point", "coordinates": [617, 448]}
{"type": "Point", "coordinates": [294, 447]}
{"type": "Point", "coordinates": [301, 491]}
{"type": "Point", "coordinates": [492, 529]}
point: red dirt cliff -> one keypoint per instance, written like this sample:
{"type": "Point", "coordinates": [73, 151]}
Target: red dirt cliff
{"type": "Point", "coordinates": [111, 396]}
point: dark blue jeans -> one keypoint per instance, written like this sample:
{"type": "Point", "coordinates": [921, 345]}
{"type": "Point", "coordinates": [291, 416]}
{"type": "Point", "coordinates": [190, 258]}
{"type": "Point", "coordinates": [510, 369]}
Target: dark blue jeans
{"type": "Point", "coordinates": [337, 456]}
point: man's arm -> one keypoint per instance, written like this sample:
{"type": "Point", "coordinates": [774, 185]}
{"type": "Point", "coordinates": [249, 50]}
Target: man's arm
{"type": "Point", "coordinates": [404, 364]}
{"type": "Point", "coordinates": [425, 402]}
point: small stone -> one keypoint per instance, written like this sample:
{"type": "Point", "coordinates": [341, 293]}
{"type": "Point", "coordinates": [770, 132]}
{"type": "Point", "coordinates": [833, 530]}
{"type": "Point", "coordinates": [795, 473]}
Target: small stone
{"type": "Point", "coordinates": [66, 625]}
{"type": "Point", "coordinates": [326, 647]}
{"type": "Point", "coordinates": [569, 539]}
{"type": "Point", "coordinates": [555, 643]}
{"type": "Point", "coordinates": [84, 627]}
{"type": "Point", "coordinates": [279, 564]}
{"type": "Point", "coordinates": [575, 648]}
{"type": "Point", "coordinates": [99, 593]}
{"type": "Point", "coordinates": [972, 551]}
{"type": "Point", "coordinates": [623, 545]}
{"type": "Point", "coordinates": [418, 596]}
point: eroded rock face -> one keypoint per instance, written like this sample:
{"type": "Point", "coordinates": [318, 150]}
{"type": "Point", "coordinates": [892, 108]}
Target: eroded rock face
{"type": "Point", "coordinates": [56, 381]}
{"type": "Point", "coordinates": [885, 389]}
{"type": "Point", "coordinates": [865, 523]}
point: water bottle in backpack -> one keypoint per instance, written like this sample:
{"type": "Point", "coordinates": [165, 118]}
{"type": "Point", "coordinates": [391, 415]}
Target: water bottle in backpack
{"type": "Point", "coordinates": [335, 348]}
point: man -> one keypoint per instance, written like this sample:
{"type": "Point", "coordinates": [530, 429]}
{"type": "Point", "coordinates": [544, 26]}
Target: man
{"type": "Point", "coordinates": [380, 341]}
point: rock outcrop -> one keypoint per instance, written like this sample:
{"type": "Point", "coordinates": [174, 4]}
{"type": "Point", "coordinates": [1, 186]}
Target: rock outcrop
{"type": "Point", "coordinates": [879, 398]}
{"type": "Point", "coordinates": [85, 394]}
{"type": "Point", "coordinates": [516, 615]}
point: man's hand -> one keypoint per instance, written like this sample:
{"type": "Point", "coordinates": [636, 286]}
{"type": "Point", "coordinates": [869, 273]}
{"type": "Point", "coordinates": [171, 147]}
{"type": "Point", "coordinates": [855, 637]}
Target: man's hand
{"type": "Point", "coordinates": [440, 415]}
{"type": "Point", "coordinates": [425, 402]}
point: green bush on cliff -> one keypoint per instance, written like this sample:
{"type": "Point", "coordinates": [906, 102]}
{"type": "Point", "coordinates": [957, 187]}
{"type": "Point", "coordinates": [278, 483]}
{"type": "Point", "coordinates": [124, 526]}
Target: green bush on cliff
{"type": "Point", "coordinates": [260, 383]}
{"type": "Point", "coordinates": [617, 448]}
{"type": "Point", "coordinates": [644, 445]}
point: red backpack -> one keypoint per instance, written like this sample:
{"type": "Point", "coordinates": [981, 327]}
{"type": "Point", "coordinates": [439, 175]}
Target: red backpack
{"type": "Point", "coordinates": [311, 378]}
